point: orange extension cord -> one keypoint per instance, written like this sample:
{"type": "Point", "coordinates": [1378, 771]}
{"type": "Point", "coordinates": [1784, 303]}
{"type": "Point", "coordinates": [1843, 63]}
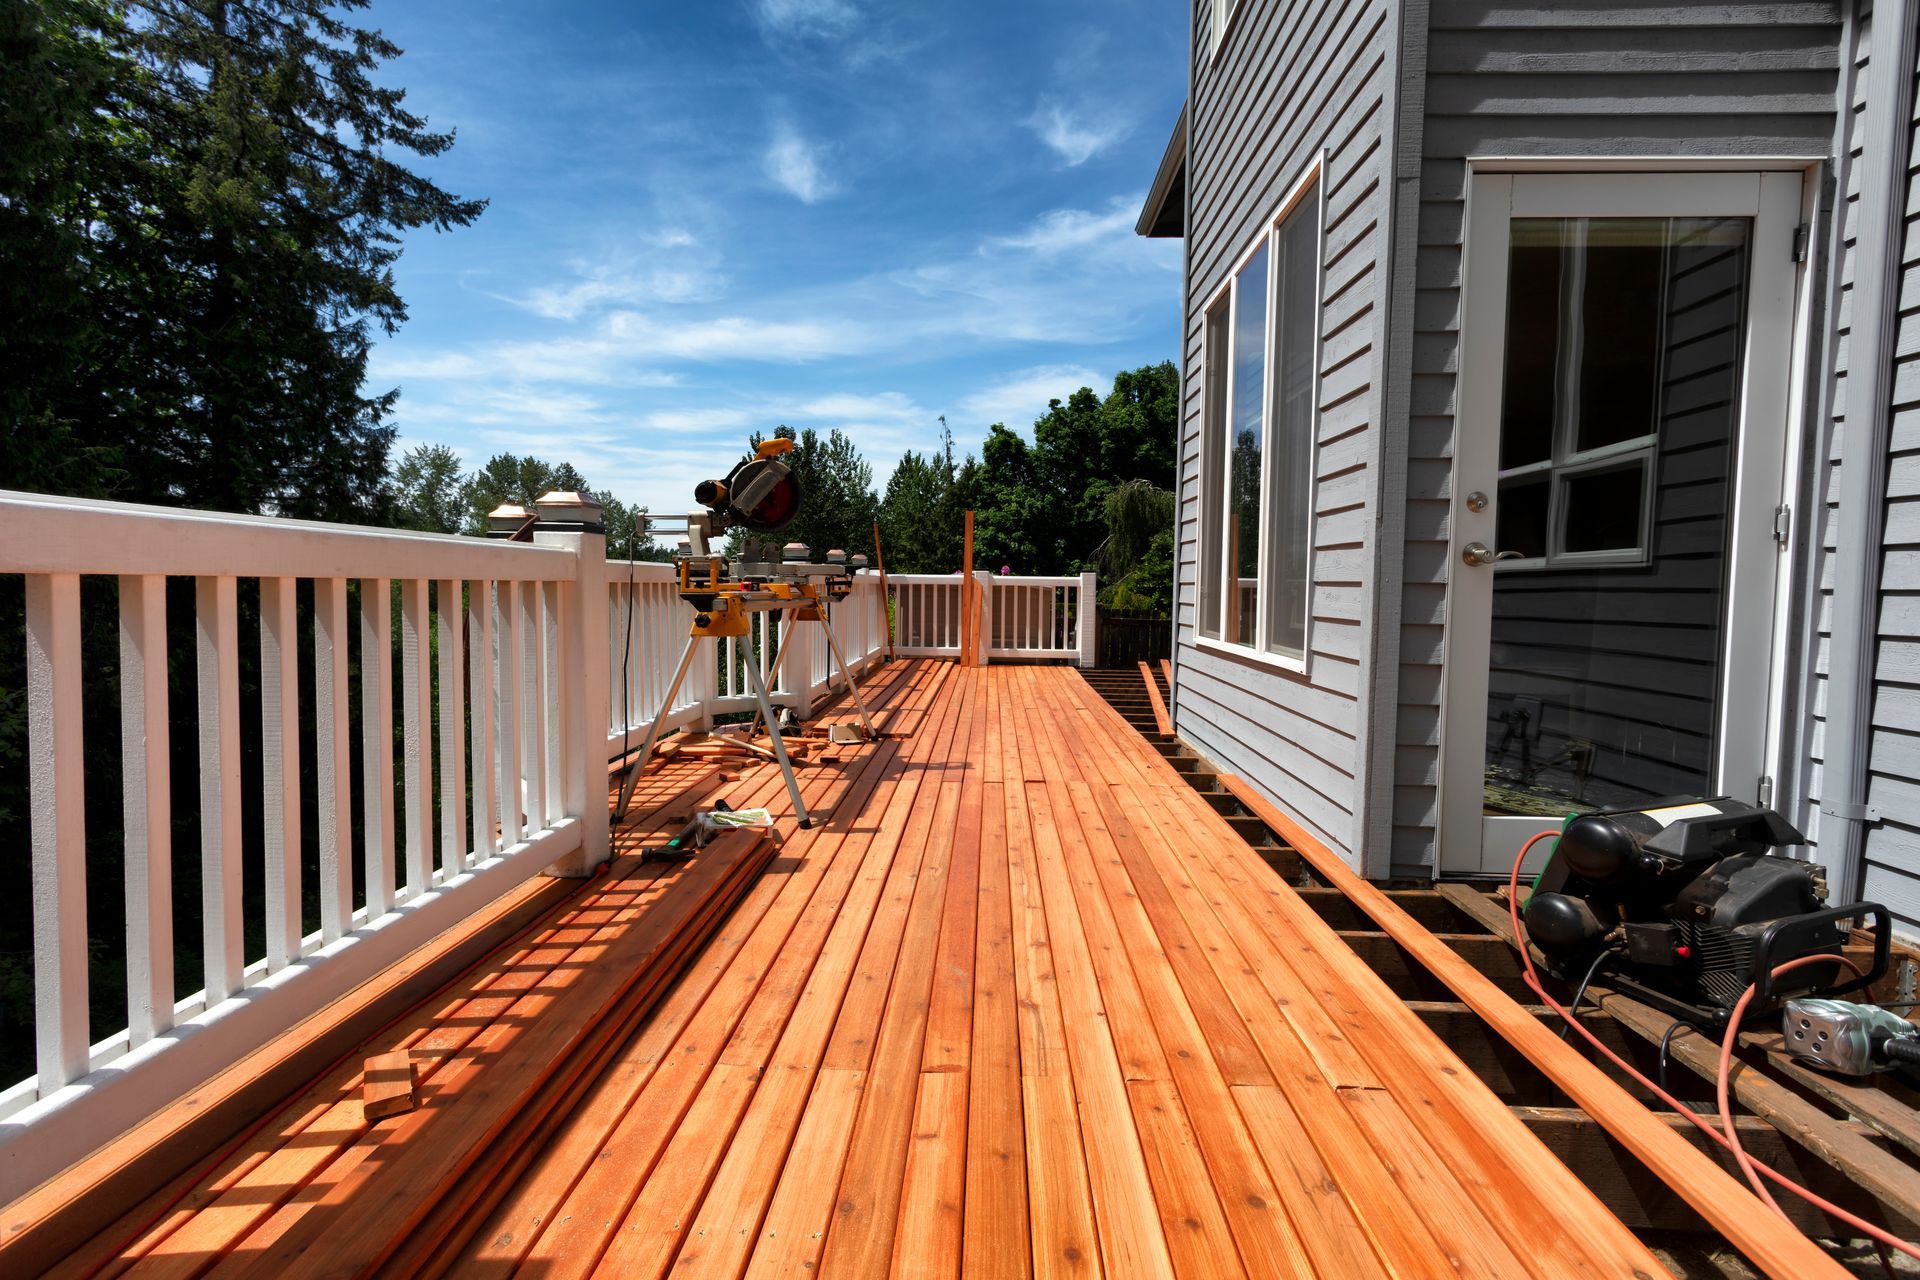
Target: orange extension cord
{"type": "Point", "coordinates": [1730, 1139]}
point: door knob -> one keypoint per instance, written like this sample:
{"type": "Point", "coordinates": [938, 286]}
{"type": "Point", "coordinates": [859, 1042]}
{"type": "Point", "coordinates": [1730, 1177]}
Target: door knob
{"type": "Point", "coordinates": [1478, 553]}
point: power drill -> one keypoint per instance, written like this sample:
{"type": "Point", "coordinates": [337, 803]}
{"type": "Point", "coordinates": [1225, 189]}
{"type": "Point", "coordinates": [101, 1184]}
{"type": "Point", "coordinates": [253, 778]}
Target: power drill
{"type": "Point", "coordinates": [1848, 1038]}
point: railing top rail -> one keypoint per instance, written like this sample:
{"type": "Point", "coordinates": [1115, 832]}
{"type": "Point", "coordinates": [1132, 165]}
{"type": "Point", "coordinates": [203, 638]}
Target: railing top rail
{"type": "Point", "coordinates": [40, 533]}
{"type": "Point", "coordinates": [1021, 579]}
{"type": "Point", "coordinates": [641, 570]}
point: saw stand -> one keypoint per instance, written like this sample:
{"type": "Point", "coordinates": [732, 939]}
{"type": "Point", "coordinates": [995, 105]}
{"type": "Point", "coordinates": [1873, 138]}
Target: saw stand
{"type": "Point", "coordinates": [724, 603]}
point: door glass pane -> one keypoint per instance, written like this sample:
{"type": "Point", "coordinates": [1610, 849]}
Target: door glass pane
{"type": "Point", "coordinates": [1603, 679]}
{"type": "Point", "coordinates": [1291, 468]}
{"type": "Point", "coordinates": [1213, 465]}
{"type": "Point", "coordinates": [1603, 508]}
{"type": "Point", "coordinates": [1248, 428]}
{"type": "Point", "coordinates": [1622, 287]}
{"type": "Point", "coordinates": [1521, 519]}
{"type": "Point", "coordinates": [1533, 342]}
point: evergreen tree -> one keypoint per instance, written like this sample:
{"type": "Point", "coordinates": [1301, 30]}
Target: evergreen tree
{"type": "Point", "coordinates": [213, 191]}
{"type": "Point", "coordinates": [427, 491]}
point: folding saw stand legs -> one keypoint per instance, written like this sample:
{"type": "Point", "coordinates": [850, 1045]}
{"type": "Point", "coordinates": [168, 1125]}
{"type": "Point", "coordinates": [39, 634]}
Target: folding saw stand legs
{"type": "Point", "coordinates": [765, 709]}
{"type": "Point", "coordinates": [833, 647]}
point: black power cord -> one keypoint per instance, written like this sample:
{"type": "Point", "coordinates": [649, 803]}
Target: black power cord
{"type": "Point", "coordinates": [1580, 993]}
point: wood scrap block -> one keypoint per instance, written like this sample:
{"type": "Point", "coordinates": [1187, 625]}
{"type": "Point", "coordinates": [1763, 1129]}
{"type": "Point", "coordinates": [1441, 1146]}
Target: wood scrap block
{"type": "Point", "coordinates": [387, 1085]}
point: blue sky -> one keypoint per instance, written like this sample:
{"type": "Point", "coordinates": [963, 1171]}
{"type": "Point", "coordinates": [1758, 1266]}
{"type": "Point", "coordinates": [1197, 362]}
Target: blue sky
{"type": "Point", "coordinates": [710, 218]}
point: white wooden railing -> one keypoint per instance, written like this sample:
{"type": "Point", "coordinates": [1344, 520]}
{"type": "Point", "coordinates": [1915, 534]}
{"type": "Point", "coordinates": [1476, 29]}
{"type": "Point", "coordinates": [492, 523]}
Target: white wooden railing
{"type": "Point", "coordinates": [1025, 618]}
{"type": "Point", "coordinates": [414, 812]}
{"type": "Point", "coordinates": [489, 779]}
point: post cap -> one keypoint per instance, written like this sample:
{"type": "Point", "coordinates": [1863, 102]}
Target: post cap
{"type": "Point", "coordinates": [569, 510]}
{"type": "Point", "coordinates": [507, 519]}
{"type": "Point", "coordinates": [796, 552]}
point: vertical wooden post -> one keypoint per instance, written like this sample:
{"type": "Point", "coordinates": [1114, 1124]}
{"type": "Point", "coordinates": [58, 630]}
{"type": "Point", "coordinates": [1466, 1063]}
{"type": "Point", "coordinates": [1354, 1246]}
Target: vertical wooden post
{"type": "Point", "coordinates": [332, 733]}
{"type": "Point", "coordinates": [578, 647]}
{"type": "Point", "coordinates": [1086, 620]}
{"type": "Point", "coordinates": [886, 596]}
{"type": "Point", "coordinates": [216, 625]}
{"type": "Point", "coordinates": [57, 824]}
{"type": "Point", "coordinates": [147, 804]}
{"type": "Point", "coordinates": [280, 755]}
{"type": "Point", "coordinates": [969, 654]}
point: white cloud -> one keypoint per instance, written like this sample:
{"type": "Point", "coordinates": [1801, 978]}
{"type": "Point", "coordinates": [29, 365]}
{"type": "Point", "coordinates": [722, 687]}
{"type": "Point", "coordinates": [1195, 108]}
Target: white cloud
{"type": "Point", "coordinates": [621, 288]}
{"type": "Point", "coordinates": [889, 406]}
{"type": "Point", "coordinates": [794, 164]}
{"type": "Point", "coordinates": [1059, 230]}
{"type": "Point", "coordinates": [1075, 134]}
{"type": "Point", "coordinates": [807, 17]}
{"type": "Point", "coordinates": [1020, 397]}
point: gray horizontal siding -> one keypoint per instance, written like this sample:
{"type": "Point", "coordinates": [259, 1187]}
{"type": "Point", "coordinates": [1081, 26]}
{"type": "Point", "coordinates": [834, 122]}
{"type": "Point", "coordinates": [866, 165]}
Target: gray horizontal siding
{"type": "Point", "coordinates": [1506, 79]}
{"type": "Point", "coordinates": [1293, 80]}
{"type": "Point", "coordinates": [1893, 847]}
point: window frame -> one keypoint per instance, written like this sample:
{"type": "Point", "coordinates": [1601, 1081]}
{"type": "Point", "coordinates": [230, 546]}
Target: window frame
{"type": "Point", "coordinates": [1221, 14]}
{"type": "Point", "coordinates": [1566, 461]}
{"type": "Point", "coordinates": [1213, 524]}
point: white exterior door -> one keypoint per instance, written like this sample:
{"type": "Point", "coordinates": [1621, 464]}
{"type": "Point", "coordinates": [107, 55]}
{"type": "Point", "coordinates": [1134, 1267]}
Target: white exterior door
{"type": "Point", "coordinates": [1621, 442]}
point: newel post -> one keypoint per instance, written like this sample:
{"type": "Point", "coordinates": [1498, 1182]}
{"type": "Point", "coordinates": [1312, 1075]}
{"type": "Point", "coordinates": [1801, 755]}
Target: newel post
{"type": "Point", "coordinates": [982, 616]}
{"type": "Point", "coordinates": [1086, 619]}
{"type": "Point", "coordinates": [572, 521]}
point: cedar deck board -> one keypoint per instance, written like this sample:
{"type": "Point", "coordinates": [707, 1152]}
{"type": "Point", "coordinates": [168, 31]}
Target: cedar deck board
{"type": "Point", "coordinates": [1022, 1006]}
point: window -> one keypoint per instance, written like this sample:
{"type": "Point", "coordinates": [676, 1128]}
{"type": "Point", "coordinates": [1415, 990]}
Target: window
{"type": "Point", "coordinates": [1604, 331]}
{"type": "Point", "coordinates": [1257, 439]}
{"type": "Point", "coordinates": [1222, 11]}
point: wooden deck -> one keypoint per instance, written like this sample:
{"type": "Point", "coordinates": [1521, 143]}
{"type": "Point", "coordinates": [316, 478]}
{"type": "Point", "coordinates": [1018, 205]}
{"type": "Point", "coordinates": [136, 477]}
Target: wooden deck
{"type": "Point", "coordinates": [1021, 1005]}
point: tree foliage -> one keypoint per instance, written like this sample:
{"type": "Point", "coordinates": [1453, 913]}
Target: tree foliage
{"type": "Point", "coordinates": [200, 207]}
{"type": "Point", "coordinates": [1040, 508]}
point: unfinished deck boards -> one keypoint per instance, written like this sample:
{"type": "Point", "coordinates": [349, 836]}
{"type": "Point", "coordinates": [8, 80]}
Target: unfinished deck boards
{"type": "Point", "coordinates": [1021, 1005]}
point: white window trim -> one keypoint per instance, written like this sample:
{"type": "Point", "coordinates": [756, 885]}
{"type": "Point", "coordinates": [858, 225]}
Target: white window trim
{"type": "Point", "coordinates": [1221, 14]}
{"type": "Point", "coordinates": [1310, 179]}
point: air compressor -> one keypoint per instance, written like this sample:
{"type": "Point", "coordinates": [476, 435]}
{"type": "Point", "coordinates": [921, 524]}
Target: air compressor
{"type": "Point", "coordinates": [1687, 903]}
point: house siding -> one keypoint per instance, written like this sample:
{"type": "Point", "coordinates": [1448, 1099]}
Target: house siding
{"type": "Point", "coordinates": [1892, 846]}
{"type": "Point", "coordinates": [1294, 80]}
{"type": "Point", "coordinates": [1507, 79]}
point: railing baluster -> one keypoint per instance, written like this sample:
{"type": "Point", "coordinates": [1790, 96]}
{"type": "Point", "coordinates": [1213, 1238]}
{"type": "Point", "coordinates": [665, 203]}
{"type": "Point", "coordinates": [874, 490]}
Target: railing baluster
{"type": "Point", "coordinates": [416, 707]}
{"type": "Point", "coordinates": [333, 756]}
{"type": "Point", "coordinates": [376, 727]}
{"type": "Point", "coordinates": [280, 765]}
{"type": "Point", "coordinates": [57, 806]}
{"type": "Point", "coordinates": [482, 682]}
{"type": "Point", "coordinates": [453, 772]}
{"type": "Point", "coordinates": [507, 690]}
{"type": "Point", "coordinates": [147, 798]}
{"type": "Point", "coordinates": [553, 762]}
{"type": "Point", "coordinates": [217, 628]}
{"type": "Point", "coordinates": [533, 736]}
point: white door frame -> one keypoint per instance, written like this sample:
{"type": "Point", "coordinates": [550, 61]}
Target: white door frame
{"type": "Point", "coordinates": [1748, 731]}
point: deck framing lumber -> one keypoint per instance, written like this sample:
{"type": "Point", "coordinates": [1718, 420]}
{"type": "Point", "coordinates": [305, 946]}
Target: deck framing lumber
{"type": "Point", "coordinates": [1768, 1242]}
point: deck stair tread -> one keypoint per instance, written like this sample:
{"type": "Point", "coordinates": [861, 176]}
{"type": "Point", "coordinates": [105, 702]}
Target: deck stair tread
{"type": "Point", "coordinates": [1024, 1003]}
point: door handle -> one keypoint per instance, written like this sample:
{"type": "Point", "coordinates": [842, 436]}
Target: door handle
{"type": "Point", "coordinates": [1479, 553]}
